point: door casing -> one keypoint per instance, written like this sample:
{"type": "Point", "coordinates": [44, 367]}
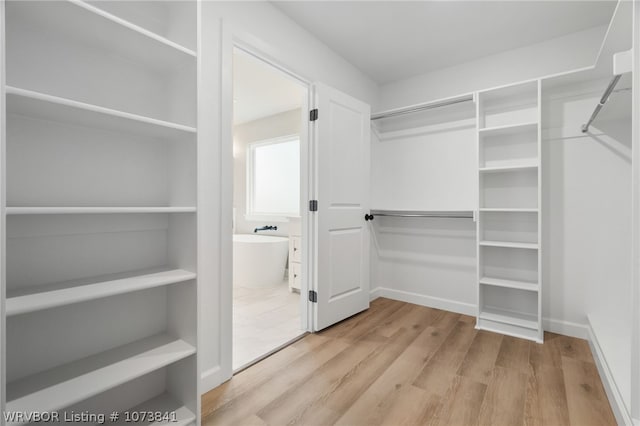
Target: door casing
{"type": "Point", "coordinates": [234, 38]}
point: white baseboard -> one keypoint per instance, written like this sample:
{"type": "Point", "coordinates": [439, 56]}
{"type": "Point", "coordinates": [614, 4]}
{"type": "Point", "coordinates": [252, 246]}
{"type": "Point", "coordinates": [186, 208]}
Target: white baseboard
{"type": "Point", "coordinates": [374, 293]}
{"type": "Point", "coordinates": [623, 417]}
{"type": "Point", "coordinates": [428, 301]}
{"type": "Point", "coordinates": [210, 379]}
{"type": "Point", "coordinates": [566, 328]}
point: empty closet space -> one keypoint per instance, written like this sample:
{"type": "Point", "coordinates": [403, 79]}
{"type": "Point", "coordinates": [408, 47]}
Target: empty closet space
{"type": "Point", "coordinates": [588, 216]}
{"type": "Point", "coordinates": [101, 286]}
{"type": "Point", "coordinates": [423, 190]}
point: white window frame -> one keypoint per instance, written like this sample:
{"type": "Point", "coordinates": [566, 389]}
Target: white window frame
{"type": "Point", "coordinates": [251, 214]}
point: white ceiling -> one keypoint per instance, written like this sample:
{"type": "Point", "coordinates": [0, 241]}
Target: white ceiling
{"type": "Point", "coordinates": [393, 40]}
{"type": "Point", "coordinates": [260, 90]}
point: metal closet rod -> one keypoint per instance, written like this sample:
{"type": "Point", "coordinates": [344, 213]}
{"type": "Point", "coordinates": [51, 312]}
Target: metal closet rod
{"type": "Point", "coordinates": [603, 100]}
{"type": "Point", "coordinates": [423, 107]}
{"type": "Point", "coordinates": [443, 214]}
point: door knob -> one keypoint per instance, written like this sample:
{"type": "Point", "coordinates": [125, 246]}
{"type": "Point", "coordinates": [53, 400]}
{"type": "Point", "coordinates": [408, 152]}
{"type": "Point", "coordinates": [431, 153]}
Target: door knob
{"type": "Point", "coordinates": [368, 217]}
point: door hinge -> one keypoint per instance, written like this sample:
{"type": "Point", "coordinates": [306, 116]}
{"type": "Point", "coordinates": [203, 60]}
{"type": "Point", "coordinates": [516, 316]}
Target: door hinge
{"type": "Point", "coordinates": [313, 205]}
{"type": "Point", "coordinates": [313, 114]}
{"type": "Point", "coordinates": [313, 296]}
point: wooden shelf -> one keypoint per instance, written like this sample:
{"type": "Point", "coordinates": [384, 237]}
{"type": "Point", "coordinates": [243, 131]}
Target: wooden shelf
{"type": "Point", "coordinates": [509, 317]}
{"type": "Point", "coordinates": [95, 210]}
{"type": "Point", "coordinates": [163, 404]}
{"type": "Point", "coordinates": [508, 129]}
{"type": "Point", "coordinates": [82, 23]}
{"type": "Point", "coordinates": [61, 294]}
{"type": "Point", "coordinates": [54, 108]}
{"type": "Point", "coordinates": [508, 244]}
{"type": "Point", "coordinates": [520, 285]}
{"type": "Point", "coordinates": [509, 210]}
{"type": "Point", "coordinates": [514, 168]}
{"type": "Point", "coordinates": [74, 382]}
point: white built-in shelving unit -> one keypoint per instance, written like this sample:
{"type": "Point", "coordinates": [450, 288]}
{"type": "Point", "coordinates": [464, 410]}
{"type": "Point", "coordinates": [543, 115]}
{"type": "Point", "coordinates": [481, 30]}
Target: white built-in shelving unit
{"type": "Point", "coordinates": [100, 288]}
{"type": "Point", "coordinates": [509, 222]}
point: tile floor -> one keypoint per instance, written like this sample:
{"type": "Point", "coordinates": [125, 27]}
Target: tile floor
{"type": "Point", "coordinates": [263, 320]}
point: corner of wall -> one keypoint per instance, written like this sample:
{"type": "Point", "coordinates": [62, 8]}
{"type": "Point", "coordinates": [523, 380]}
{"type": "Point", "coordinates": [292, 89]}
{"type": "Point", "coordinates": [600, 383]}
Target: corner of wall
{"type": "Point", "coordinates": [428, 301]}
{"type": "Point", "coordinates": [212, 378]}
{"type": "Point", "coordinates": [374, 293]}
{"type": "Point", "coordinates": [561, 54]}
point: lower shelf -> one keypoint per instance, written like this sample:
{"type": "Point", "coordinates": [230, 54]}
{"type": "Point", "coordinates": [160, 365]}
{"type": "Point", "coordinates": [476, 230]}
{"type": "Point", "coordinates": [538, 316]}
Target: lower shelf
{"type": "Point", "coordinates": [519, 285]}
{"type": "Point", "coordinates": [510, 317]}
{"type": "Point", "coordinates": [509, 329]}
{"type": "Point", "coordinates": [179, 414]}
{"type": "Point", "coordinates": [71, 383]}
{"type": "Point", "coordinates": [514, 324]}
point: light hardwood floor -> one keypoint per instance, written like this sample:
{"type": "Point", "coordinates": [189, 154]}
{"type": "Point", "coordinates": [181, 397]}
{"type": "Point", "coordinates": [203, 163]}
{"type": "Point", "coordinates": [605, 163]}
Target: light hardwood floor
{"type": "Point", "coordinates": [403, 364]}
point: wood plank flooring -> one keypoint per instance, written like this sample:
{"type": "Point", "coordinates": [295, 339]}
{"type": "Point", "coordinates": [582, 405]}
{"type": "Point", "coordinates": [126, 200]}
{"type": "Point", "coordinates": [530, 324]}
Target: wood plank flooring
{"type": "Point", "coordinates": [403, 364]}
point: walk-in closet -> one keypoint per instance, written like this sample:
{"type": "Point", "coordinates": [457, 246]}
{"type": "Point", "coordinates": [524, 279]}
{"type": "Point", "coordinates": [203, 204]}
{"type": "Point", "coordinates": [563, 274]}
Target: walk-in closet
{"type": "Point", "coordinates": [320, 212]}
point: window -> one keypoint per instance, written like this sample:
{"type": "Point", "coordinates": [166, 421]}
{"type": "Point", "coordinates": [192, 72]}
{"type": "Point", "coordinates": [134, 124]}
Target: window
{"type": "Point", "coordinates": [273, 177]}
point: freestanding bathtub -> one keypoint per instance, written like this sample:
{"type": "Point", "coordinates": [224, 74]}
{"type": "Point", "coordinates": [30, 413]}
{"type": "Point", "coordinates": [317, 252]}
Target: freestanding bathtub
{"type": "Point", "coordinates": [259, 260]}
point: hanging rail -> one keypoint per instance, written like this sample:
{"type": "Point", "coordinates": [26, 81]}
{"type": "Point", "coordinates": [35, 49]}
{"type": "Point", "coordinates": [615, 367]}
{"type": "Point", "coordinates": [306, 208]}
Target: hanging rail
{"type": "Point", "coordinates": [460, 214]}
{"type": "Point", "coordinates": [603, 100]}
{"type": "Point", "coordinates": [422, 107]}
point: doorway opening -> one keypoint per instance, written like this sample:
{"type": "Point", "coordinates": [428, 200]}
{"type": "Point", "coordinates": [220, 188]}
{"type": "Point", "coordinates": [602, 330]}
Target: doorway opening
{"type": "Point", "coordinates": [269, 137]}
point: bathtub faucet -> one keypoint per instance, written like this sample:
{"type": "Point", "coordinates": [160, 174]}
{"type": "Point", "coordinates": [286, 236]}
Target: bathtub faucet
{"type": "Point", "coordinates": [266, 228]}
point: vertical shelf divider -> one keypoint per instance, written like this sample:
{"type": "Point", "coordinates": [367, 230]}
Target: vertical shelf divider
{"type": "Point", "coordinates": [509, 243]}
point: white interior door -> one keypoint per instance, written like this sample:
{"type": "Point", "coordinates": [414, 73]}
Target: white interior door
{"type": "Point", "coordinates": [341, 142]}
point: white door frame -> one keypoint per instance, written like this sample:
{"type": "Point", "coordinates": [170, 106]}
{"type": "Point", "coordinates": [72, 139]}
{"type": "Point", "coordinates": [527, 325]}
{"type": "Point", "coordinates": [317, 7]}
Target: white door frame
{"type": "Point", "coordinates": [635, 251]}
{"type": "Point", "coordinates": [233, 37]}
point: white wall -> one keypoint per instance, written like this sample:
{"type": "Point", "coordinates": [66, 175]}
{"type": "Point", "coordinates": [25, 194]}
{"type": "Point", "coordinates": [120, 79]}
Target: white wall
{"type": "Point", "coordinates": [554, 56]}
{"type": "Point", "coordinates": [426, 164]}
{"type": "Point", "coordinates": [428, 261]}
{"type": "Point", "coordinates": [586, 216]}
{"type": "Point", "coordinates": [283, 124]}
{"type": "Point", "coordinates": [586, 207]}
{"type": "Point", "coordinates": [281, 39]}
{"type": "Point", "coordinates": [433, 261]}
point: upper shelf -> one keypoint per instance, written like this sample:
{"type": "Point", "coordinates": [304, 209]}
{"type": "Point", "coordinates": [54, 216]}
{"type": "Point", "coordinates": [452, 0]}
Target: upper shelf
{"type": "Point", "coordinates": [509, 129]}
{"type": "Point", "coordinates": [518, 93]}
{"type": "Point", "coordinates": [96, 210]}
{"type": "Point", "coordinates": [395, 122]}
{"type": "Point", "coordinates": [54, 108]}
{"type": "Point", "coordinates": [619, 38]}
{"type": "Point", "coordinates": [89, 25]}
